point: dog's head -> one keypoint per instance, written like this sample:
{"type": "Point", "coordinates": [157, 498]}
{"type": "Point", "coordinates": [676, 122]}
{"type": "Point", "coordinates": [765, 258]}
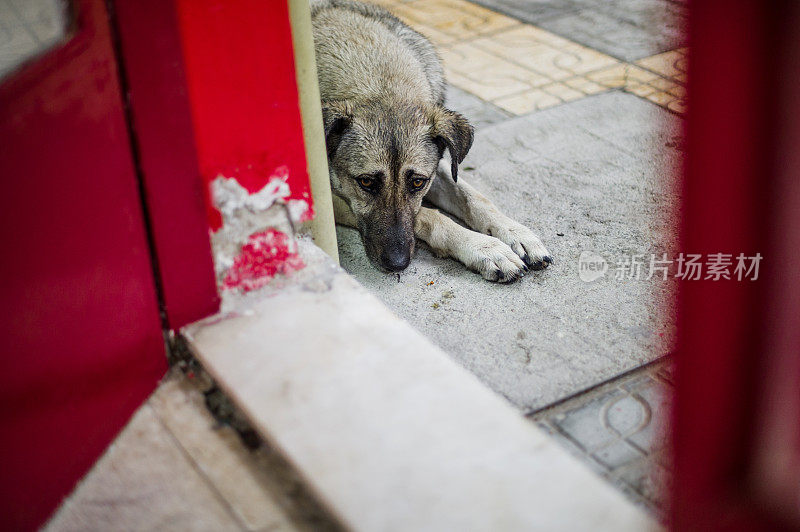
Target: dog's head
{"type": "Point", "coordinates": [382, 163]}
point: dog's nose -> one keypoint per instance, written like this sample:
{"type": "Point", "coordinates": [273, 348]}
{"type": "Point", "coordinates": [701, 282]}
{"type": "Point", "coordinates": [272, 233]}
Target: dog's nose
{"type": "Point", "coordinates": [396, 259]}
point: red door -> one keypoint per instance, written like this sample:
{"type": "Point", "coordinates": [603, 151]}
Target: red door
{"type": "Point", "coordinates": [737, 409]}
{"type": "Point", "coordinates": [81, 343]}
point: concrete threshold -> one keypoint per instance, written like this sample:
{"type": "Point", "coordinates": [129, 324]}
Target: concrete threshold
{"type": "Point", "coordinates": [386, 429]}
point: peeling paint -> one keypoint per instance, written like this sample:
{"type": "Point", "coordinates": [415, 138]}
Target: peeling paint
{"type": "Point", "coordinates": [256, 242]}
{"type": "Point", "coordinates": [230, 197]}
{"type": "Point", "coordinates": [264, 255]}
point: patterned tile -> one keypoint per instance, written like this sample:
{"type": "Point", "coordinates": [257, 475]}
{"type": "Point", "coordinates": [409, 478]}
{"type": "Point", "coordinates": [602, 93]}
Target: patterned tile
{"type": "Point", "coordinates": [669, 64]}
{"type": "Point", "coordinates": [527, 102]}
{"type": "Point", "coordinates": [456, 18]}
{"type": "Point", "coordinates": [640, 89]}
{"type": "Point", "coordinates": [621, 75]}
{"type": "Point", "coordinates": [437, 37]}
{"type": "Point", "coordinates": [486, 75]}
{"type": "Point", "coordinates": [677, 106]}
{"type": "Point", "coordinates": [522, 68]}
{"type": "Point", "coordinates": [480, 113]}
{"type": "Point", "coordinates": [563, 92]}
{"type": "Point", "coordinates": [543, 52]}
{"type": "Point", "coordinates": [389, 4]}
{"type": "Point", "coordinates": [584, 85]}
{"type": "Point", "coordinates": [27, 29]}
{"type": "Point", "coordinates": [661, 98]}
{"type": "Point", "coordinates": [625, 29]}
{"type": "Point", "coordinates": [621, 430]}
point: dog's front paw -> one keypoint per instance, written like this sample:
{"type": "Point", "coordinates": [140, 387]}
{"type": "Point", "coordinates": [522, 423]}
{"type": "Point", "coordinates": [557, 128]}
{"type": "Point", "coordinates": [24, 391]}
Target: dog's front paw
{"type": "Point", "coordinates": [525, 244]}
{"type": "Point", "coordinates": [491, 258]}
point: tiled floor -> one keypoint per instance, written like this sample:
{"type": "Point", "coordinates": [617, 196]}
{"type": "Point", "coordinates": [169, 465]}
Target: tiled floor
{"type": "Point", "coordinates": [507, 58]}
{"type": "Point", "coordinates": [28, 28]}
{"type": "Point", "coordinates": [549, 53]}
{"type": "Point", "coordinates": [620, 430]}
{"type": "Point", "coordinates": [625, 29]}
{"type": "Point", "coordinates": [521, 68]}
{"type": "Point", "coordinates": [175, 467]}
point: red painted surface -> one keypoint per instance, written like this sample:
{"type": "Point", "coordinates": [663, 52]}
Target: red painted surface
{"type": "Point", "coordinates": [80, 338]}
{"type": "Point", "coordinates": [732, 195]}
{"type": "Point", "coordinates": [159, 109]}
{"type": "Point", "coordinates": [243, 92]}
{"type": "Point", "coordinates": [265, 255]}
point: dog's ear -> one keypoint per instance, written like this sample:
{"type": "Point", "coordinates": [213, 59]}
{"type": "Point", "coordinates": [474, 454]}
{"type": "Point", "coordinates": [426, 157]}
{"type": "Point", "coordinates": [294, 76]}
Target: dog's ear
{"type": "Point", "coordinates": [336, 118]}
{"type": "Point", "coordinates": [451, 130]}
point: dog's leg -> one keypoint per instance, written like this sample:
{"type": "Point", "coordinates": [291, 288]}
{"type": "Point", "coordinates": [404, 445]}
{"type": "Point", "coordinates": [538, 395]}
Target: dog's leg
{"type": "Point", "coordinates": [466, 203]}
{"type": "Point", "coordinates": [484, 254]}
{"type": "Point", "coordinates": [342, 213]}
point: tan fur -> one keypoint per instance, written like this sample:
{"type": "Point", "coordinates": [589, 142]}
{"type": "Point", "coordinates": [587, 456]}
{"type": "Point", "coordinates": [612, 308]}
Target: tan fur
{"type": "Point", "coordinates": [386, 128]}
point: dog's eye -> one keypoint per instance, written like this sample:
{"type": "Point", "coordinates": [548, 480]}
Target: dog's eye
{"type": "Point", "coordinates": [366, 182]}
{"type": "Point", "coordinates": [418, 183]}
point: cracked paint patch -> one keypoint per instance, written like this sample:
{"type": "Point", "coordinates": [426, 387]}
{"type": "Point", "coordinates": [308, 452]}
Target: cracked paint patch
{"type": "Point", "coordinates": [265, 255]}
{"type": "Point", "coordinates": [254, 243]}
{"type": "Point", "coordinates": [230, 197]}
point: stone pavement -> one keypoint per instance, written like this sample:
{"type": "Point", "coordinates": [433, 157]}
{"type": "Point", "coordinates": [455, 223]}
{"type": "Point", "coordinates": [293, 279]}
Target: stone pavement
{"type": "Point", "coordinates": [620, 430]}
{"type": "Point", "coordinates": [522, 67]}
{"type": "Point", "coordinates": [29, 28]}
{"type": "Point", "coordinates": [577, 108]}
{"type": "Point", "coordinates": [625, 29]}
{"type": "Point", "coordinates": [589, 176]}
{"type": "Point", "coordinates": [175, 467]}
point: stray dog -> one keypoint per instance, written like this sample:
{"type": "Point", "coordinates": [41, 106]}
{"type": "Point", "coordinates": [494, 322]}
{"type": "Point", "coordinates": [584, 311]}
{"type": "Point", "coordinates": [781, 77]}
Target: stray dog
{"type": "Point", "coordinates": [386, 130]}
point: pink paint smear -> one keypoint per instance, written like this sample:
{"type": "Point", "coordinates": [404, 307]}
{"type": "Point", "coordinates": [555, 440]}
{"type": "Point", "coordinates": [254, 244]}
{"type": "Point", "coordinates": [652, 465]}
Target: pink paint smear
{"type": "Point", "coordinates": [265, 255]}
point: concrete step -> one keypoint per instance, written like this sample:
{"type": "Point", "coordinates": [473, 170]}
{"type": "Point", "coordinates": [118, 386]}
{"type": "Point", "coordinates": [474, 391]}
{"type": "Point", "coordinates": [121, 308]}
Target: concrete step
{"type": "Point", "coordinates": [386, 429]}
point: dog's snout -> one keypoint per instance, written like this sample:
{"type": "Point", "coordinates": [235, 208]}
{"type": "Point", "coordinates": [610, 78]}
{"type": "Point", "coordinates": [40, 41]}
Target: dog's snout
{"type": "Point", "coordinates": [396, 258]}
{"type": "Point", "coordinates": [390, 243]}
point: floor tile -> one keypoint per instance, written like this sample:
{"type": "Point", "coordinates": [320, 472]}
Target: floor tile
{"type": "Point", "coordinates": [677, 90]}
{"type": "Point", "coordinates": [532, 11]}
{"type": "Point", "coordinates": [591, 174]}
{"type": "Point", "coordinates": [677, 106]}
{"type": "Point", "coordinates": [480, 113]}
{"type": "Point", "coordinates": [625, 29]}
{"type": "Point", "coordinates": [563, 92]}
{"type": "Point", "coordinates": [28, 28]}
{"type": "Point", "coordinates": [616, 455]}
{"type": "Point", "coordinates": [661, 98]}
{"type": "Point", "coordinates": [542, 52]}
{"type": "Point", "coordinates": [668, 64]}
{"type": "Point", "coordinates": [218, 452]}
{"type": "Point", "coordinates": [527, 102]}
{"type": "Point", "coordinates": [648, 479]}
{"type": "Point", "coordinates": [144, 482]}
{"type": "Point", "coordinates": [436, 36]}
{"type": "Point", "coordinates": [391, 432]}
{"type": "Point", "coordinates": [621, 430]}
{"type": "Point", "coordinates": [621, 76]}
{"type": "Point", "coordinates": [514, 65]}
{"type": "Point", "coordinates": [457, 18]}
{"type": "Point", "coordinates": [486, 75]}
{"type": "Point", "coordinates": [584, 85]}
{"type": "Point", "coordinates": [641, 89]}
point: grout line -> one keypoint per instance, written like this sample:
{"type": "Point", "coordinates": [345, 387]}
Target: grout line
{"type": "Point", "coordinates": [618, 61]}
{"type": "Point", "coordinates": [560, 402]}
{"type": "Point", "coordinates": [199, 470]}
{"type": "Point", "coordinates": [614, 476]}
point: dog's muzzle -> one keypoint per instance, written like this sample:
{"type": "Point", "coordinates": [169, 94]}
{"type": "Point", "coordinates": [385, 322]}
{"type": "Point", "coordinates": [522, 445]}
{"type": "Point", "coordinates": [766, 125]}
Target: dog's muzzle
{"type": "Point", "coordinates": [396, 256]}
